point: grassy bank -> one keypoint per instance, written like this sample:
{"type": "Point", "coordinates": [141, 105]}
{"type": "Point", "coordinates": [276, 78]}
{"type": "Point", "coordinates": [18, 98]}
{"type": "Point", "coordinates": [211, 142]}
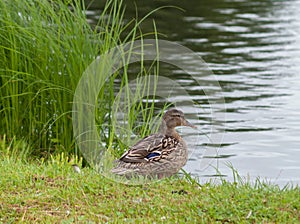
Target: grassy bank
{"type": "Point", "coordinates": [50, 191]}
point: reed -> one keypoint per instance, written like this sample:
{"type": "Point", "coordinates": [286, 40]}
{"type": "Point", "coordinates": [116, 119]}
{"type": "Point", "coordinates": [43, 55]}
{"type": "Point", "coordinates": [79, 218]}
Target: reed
{"type": "Point", "coordinates": [45, 46]}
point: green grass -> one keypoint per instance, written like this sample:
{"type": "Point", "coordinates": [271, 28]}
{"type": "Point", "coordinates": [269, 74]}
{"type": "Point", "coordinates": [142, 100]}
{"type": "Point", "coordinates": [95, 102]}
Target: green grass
{"type": "Point", "coordinates": [50, 191]}
{"type": "Point", "coordinates": [45, 46]}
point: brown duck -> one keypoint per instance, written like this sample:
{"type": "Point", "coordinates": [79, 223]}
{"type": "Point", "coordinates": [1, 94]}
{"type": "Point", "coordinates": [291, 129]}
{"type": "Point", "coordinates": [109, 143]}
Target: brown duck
{"type": "Point", "coordinates": [157, 155]}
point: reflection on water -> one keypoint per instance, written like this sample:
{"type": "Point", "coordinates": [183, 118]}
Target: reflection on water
{"type": "Point", "coordinates": [253, 48]}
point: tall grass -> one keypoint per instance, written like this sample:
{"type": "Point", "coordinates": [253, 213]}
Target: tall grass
{"type": "Point", "coordinates": [44, 48]}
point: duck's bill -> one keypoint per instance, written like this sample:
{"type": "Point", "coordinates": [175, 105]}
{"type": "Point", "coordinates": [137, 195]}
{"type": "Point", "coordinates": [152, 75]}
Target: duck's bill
{"type": "Point", "coordinates": [186, 123]}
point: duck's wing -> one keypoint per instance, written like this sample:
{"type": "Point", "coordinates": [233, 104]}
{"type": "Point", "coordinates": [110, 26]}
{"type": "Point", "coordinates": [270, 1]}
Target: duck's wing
{"type": "Point", "coordinates": [150, 148]}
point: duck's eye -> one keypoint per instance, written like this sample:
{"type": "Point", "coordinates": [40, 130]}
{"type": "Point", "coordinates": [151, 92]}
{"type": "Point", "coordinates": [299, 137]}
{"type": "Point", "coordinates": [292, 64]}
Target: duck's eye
{"type": "Point", "coordinates": [176, 115]}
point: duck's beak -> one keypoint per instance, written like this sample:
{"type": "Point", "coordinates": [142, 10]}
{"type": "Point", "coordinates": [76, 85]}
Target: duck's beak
{"type": "Point", "coordinates": [186, 123]}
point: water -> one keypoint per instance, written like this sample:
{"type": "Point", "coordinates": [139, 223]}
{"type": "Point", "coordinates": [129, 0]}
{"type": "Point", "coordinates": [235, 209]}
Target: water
{"type": "Point", "coordinates": [253, 48]}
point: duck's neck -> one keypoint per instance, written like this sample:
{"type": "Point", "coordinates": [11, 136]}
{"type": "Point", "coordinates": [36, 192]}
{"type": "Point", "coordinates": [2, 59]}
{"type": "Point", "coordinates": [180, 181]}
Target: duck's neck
{"type": "Point", "coordinates": [169, 131]}
{"type": "Point", "coordinates": [173, 133]}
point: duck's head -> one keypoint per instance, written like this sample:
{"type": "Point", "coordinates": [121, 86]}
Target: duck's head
{"type": "Point", "coordinates": [173, 118]}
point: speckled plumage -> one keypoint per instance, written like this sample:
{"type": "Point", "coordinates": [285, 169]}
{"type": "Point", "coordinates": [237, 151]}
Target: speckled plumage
{"type": "Point", "coordinates": [157, 155]}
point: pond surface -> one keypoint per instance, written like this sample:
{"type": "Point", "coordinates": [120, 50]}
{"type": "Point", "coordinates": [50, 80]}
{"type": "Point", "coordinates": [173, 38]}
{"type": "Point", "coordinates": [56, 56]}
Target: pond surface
{"type": "Point", "coordinates": [253, 49]}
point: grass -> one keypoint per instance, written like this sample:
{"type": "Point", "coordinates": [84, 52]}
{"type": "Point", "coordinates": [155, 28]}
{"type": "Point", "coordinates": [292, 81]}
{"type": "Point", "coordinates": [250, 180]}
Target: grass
{"type": "Point", "coordinates": [50, 191]}
{"type": "Point", "coordinates": [45, 46]}
{"type": "Point", "coordinates": [43, 55]}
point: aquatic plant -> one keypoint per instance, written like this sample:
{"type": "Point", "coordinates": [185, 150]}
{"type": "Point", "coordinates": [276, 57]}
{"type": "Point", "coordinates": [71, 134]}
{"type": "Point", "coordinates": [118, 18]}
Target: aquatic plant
{"type": "Point", "coordinates": [44, 48]}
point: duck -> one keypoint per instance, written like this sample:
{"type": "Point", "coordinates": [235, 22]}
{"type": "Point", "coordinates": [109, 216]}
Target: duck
{"type": "Point", "coordinates": [158, 155]}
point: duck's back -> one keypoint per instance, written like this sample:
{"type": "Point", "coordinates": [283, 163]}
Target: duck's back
{"type": "Point", "coordinates": [152, 147]}
{"type": "Point", "coordinates": [155, 155]}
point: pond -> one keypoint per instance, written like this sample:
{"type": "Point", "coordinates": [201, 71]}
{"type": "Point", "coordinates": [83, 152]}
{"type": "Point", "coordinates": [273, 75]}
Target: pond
{"type": "Point", "coordinates": [253, 49]}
